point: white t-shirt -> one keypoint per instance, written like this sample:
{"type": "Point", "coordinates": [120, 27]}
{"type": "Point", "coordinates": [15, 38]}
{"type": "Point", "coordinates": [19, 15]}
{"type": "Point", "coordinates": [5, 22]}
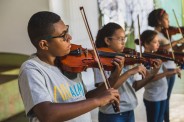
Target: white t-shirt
{"type": "Point", "coordinates": [164, 41]}
{"type": "Point", "coordinates": [156, 90]}
{"type": "Point", "coordinates": [41, 82]}
{"type": "Point", "coordinates": [128, 99]}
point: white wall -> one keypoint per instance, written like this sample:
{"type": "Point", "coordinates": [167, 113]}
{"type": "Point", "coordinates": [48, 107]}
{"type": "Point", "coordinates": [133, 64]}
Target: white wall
{"type": "Point", "coordinates": [14, 16]}
{"type": "Point", "coordinates": [70, 13]}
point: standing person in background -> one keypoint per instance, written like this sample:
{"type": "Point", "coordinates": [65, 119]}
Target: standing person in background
{"type": "Point", "coordinates": [155, 94]}
{"type": "Point", "coordinates": [112, 36]}
{"type": "Point", "coordinates": [159, 19]}
{"type": "Point", "coordinates": [48, 95]}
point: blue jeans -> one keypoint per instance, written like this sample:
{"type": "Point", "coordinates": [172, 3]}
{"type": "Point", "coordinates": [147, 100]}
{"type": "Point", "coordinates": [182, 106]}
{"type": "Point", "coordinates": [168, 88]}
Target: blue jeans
{"type": "Point", "coordinates": [120, 117]}
{"type": "Point", "coordinates": [155, 110]}
{"type": "Point", "coordinates": [170, 81]}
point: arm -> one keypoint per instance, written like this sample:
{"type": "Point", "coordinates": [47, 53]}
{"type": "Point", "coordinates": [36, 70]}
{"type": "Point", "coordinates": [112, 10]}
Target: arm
{"type": "Point", "coordinates": [167, 46]}
{"type": "Point", "coordinates": [119, 63]}
{"type": "Point", "coordinates": [178, 48]}
{"type": "Point", "coordinates": [164, 74]}
{"type": "Point", "coordinates": [116, 84]}
{"type": "Point", "coordinates": [113, 83]}
{"type": "Point", "coordinates": [57, 112]}
{"type": "Point", "coordinates": [149, 76]}
{"type": "Point", "coordinates": [156, 66]}
{"type": "Point", "coordinates": [174, 45]}
{"type": "Point", "coordinates": [138, 69]}
{"type": "Point", "coordinates": [137, 85]}
{"type": "Point", "coordinates": [141, 83]}
{"type": "Point", "coordinates": [38, 101]}
{"type": "Point", "coordinates": [152, 77]}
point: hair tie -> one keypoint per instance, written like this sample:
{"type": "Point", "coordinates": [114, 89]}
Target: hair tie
{"type": "Point", "coordinates": [162, 12]}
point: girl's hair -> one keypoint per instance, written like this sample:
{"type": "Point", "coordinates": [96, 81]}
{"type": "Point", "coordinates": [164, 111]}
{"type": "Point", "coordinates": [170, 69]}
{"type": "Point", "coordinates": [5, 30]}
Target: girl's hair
{"type": "Point", "coordinates": [146, 37]}
{"type": "Point", "coordinates": [106, 31]}
{"type": "Point", "coordinates": [155, 16]}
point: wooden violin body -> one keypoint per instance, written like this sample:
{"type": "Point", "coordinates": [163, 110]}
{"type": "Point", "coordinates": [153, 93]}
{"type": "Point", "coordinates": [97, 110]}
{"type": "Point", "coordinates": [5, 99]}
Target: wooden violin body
{"type": "Point", "coordinates": [160, 54]}
{"type": "Point", "coordinates": [80, 59]}
{"type": "Point", "coordinates": [179, 57]}
{"type": "Point", "coordinates": [172, 31]}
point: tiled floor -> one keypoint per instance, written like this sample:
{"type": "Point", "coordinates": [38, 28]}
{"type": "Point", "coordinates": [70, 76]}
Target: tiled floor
{"type": "Point", "coordinates": [177, 108]}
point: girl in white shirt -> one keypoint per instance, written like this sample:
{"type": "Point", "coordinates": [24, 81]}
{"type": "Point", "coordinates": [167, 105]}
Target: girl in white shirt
{"type": "Point", "coordinates": [159, 19]}
{"type": "Point", "coordinates": [155, 94]}
{"type": "Point", "coordinates": [112, 36]}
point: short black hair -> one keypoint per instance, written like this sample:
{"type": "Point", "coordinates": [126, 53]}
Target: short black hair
{"type": "Point", "coordinates": [146, 37]}
{"type": "Point", "coordinates": [106, 31]}
{"type": "Point", "coordinates": [155, 16]}
{"type": "Point", "coordinates": [40, 25]}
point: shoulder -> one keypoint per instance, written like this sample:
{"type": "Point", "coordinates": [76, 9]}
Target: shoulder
{"type": "Point", "coordinates": [29, 64]}
{"type": "Point", "coordinates": [33, 63]}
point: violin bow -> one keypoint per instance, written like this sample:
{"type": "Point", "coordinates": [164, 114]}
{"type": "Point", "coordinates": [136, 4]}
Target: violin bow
{"type": "Point", "coordinates": [177, 23]}
{"type": "Point", "coordinates": [178, 29]}
{"type": "Point", "coordinates": [139, 33]}
{"type": "Point", "coordinates": [140, 43]}
{"type": "Point", "coordinates": [172, 51]}
{"type": "Point", "coordinates": [107, 84]}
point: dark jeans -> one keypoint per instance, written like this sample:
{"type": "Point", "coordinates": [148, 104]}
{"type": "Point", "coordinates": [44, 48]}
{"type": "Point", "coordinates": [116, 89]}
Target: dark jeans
{"type": "Point", "coordinates": [170, 81]}
{"type": "Point", "coordinates": [120, 117]}
{"type": "Point", "coordinates": [155, 110]}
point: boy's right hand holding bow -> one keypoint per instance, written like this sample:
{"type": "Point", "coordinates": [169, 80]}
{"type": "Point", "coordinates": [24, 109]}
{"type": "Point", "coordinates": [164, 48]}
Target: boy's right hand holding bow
{"type": "Point", "coordinates": [108, 96]}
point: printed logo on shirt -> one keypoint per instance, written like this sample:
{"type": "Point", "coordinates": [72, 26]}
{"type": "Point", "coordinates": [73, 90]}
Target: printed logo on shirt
{"type": "Point", "coordinates": [67, 92]}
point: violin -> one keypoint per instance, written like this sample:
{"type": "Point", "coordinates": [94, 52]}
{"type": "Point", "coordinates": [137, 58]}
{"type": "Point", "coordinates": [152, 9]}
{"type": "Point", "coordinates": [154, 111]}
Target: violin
{"type": "Point", "coordinates": [79, 59]}
{"type": "Point", "coordinates": [148, 55]}
{"type": "Point", "coordinates": [160, 54]}
{"type": "Point", "coordinates": [172, 31]}
{"type": "Point", "coordinates": [130, 51]}
{"type": "Point", "coordinates": [179, 57]}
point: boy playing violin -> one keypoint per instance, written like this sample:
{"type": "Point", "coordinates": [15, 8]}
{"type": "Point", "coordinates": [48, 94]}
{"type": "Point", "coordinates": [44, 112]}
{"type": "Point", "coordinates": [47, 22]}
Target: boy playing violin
{"type": "Point", "coordinates": [47, 94]}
